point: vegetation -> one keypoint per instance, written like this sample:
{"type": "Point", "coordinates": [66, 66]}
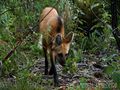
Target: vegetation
{"type": "Point", "coordinates": [94, 59]}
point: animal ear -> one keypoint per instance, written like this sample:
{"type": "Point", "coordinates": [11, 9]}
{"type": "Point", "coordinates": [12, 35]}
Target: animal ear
{"type": "Point", "coordinates": [69, 37]}
{"type": "Point", "coordinates": [58, 39]}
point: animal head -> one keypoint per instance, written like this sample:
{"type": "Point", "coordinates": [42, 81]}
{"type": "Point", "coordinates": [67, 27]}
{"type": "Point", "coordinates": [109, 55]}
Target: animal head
{"type": "Point", "coordinates": [62, 46]}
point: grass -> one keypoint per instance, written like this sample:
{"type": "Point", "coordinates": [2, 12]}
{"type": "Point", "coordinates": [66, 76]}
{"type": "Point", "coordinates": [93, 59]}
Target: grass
{"type": "Point", "coordinates": [17, 67]}
{"type": "Point", "coordinates": [15, 72]}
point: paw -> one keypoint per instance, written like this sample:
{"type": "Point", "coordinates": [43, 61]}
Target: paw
{"type": "Point", "coordinates": [56, 84]}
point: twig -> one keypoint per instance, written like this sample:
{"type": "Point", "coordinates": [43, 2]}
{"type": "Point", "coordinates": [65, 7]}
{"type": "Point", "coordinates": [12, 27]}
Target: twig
{"type": "Point", "coordinates": [30, 30]}
{"type": "Point", "coordinates": [5, 11]}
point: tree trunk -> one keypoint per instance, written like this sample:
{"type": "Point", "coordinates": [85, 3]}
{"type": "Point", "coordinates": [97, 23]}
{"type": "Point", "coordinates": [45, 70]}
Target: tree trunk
{"type": "Point", "coordinates": [114, 21]}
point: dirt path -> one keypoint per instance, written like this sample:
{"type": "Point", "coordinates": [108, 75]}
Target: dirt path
{"type": "Point", "coordinates": [88, 73]}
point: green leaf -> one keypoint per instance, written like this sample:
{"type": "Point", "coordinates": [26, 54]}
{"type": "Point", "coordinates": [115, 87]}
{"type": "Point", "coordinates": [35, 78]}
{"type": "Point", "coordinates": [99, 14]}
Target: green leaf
{"type": "Point", "coordinates": [94, 5]}
{"type": "Point", "coordinates": [109, 69]}
{"type": "Point", "coordinates": [116, 78]}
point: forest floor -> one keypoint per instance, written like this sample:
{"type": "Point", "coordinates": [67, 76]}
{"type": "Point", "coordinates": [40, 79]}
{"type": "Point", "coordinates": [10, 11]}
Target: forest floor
{"type": "Point", "coordinates": [88, 74]}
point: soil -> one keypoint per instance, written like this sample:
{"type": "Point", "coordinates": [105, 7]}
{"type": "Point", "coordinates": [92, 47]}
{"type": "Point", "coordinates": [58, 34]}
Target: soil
{"type": "Point", "coordinates": [88, 73]}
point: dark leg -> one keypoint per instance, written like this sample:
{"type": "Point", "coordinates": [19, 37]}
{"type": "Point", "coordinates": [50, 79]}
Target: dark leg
{"type": "Point", "coordinates": [46, 61]}
{"type": "Point", "coordinates": [53, 69]}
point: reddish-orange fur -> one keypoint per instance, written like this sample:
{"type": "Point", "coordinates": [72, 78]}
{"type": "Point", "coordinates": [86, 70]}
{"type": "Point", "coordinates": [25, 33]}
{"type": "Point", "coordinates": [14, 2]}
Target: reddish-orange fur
{"type": "Point", "coordinates": [53, 40]}
{"type": "Point", "coordinates": [49, 21]}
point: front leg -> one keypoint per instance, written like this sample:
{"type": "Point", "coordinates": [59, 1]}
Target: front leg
{"type": "Point", "coordinates": [53, 69]}
{"type": "Point", "coordinates": [46, 60]}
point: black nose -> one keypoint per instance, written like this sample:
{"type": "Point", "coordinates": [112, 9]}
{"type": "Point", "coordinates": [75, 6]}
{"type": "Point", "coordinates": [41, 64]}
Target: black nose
{"type": "Point", "coordinates": [61, 59]}
{"type": "Point", "coordinates": [62, 62]}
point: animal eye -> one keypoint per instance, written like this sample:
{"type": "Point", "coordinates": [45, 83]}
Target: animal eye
{"type": "Point", "coordinates": [66, 54]}
{"type": "Point", "coordinates": [60, 54]}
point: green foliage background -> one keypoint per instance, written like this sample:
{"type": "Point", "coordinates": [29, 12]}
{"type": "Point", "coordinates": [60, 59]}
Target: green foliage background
{"type": "Point", "coordinates": [80, 16]}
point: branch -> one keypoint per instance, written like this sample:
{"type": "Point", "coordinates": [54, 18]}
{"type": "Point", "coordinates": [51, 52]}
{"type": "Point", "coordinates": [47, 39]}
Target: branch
{"type": "Point", "coordinates": [5, 11]}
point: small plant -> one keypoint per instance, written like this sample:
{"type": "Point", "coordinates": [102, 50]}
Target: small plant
{"type": "Point", "coordinates": [71, 65]}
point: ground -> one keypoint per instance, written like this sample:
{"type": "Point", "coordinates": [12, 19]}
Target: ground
{"type": "Point", "coordinates": [87, 73]}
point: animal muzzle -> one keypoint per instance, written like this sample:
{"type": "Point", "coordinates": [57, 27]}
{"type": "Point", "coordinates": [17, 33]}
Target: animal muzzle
{"type": "Point", "coordinates": [61, 60]}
